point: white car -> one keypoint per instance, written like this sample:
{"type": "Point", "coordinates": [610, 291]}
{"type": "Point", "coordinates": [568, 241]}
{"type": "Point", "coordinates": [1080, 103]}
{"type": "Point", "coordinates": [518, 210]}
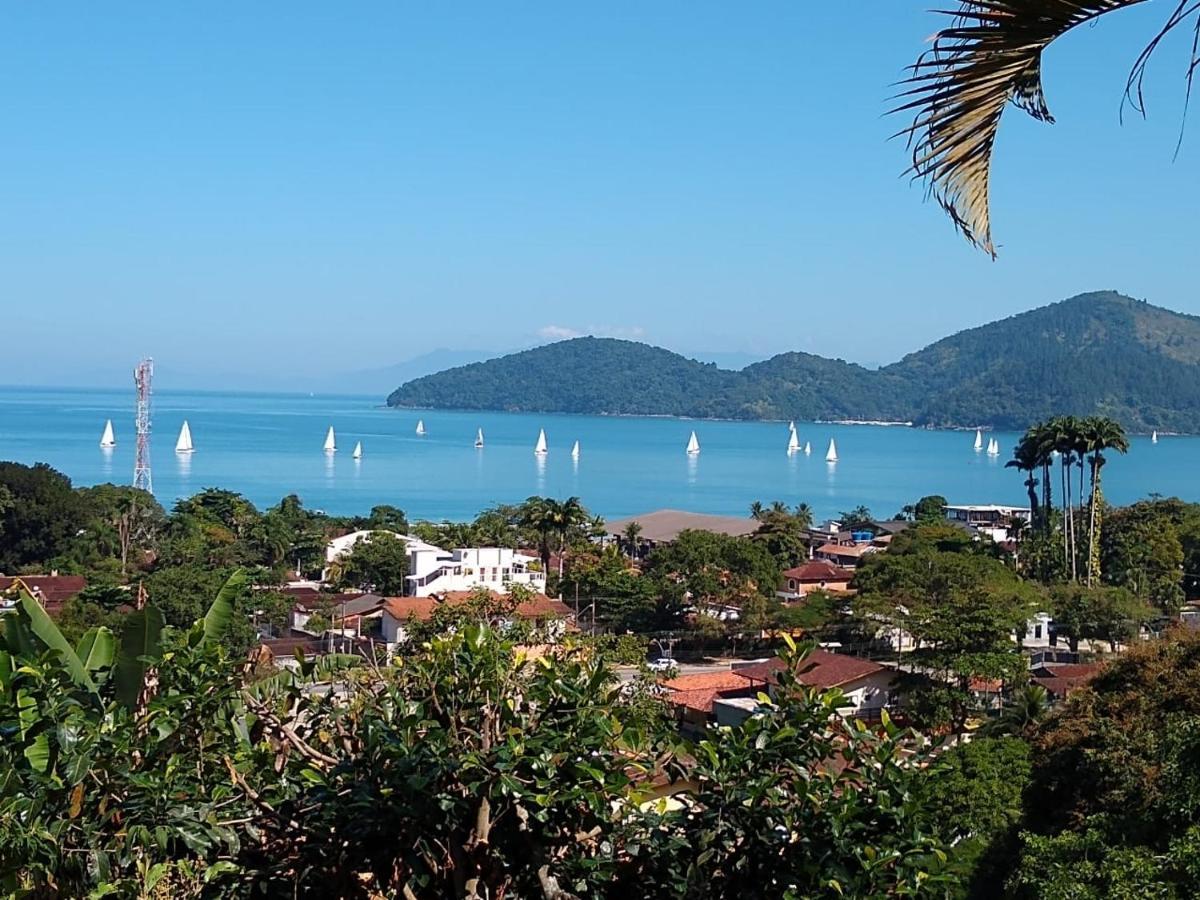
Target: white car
{"type": "Point", "coordinates": [662, 664]}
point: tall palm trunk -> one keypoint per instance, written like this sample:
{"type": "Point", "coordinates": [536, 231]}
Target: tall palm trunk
{"type": "Point", "coordinates": [1094, 523]}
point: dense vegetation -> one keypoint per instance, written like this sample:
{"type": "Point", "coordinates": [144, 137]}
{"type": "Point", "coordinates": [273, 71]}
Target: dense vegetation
{"type": "Point", "coordinates": [1095, 354]}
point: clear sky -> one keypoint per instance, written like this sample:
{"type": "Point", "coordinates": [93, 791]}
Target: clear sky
{"type": "Point", "coordinates": [282, 188]}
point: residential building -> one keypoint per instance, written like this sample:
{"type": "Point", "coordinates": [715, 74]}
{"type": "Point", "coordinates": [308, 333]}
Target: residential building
{"type": "Point", "coordinates": [555, 615]}
{"type": "Point", "coordinates": [434, 570]}
{"type": "Point", "coordinates": [1000, 523]}
{"type": "Point", "coordinates": [52, 591]}
{"type": "Point", "coordinates": [727, 698]}
{"type": "Point", "coordinates": [1061, 679]}
{"type": "Point", "coordinates": [844, 556]}
{"type": "Point", "coordinates": [817, 575]}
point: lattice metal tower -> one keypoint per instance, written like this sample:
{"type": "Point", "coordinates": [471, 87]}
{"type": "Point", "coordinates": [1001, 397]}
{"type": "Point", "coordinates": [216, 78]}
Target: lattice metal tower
{"type": "Point", "coordinates": [141, 466]}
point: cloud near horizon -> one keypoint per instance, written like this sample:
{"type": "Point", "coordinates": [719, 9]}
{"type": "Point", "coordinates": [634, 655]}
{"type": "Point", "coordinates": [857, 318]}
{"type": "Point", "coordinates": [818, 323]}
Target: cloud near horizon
{"type": "Point", "coordinates": [564, 332]}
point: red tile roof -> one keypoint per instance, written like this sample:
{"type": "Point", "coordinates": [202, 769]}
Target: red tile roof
{"type": "Point", "coordinates": [818, 570]}
{"type": "Point", "coordinates": [820, 669]}
{"type": "Point", "coordinates": [539, 606]}
{"type": "Point", "coordinates": [706, 681]}
{"type": "Point", "coordinates": [697, 701]}
{"type": "Point", "coordinates": [49, 590]}
{"type": "Point", "coordinates": [846, 550]}
{"type": "Point", "coordinates": [1063, 678]}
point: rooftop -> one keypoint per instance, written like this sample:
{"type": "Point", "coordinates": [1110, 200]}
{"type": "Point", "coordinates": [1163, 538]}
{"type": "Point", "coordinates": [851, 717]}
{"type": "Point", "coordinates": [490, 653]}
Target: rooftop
{"type": "Point", "coordinates": [818, 570]}
{"type": "Point", "coordinates": [539, 606]}
{"type": "Point", "coordinates": [820, 669]}
{"type": "Point", "coordinates": [665, 525]}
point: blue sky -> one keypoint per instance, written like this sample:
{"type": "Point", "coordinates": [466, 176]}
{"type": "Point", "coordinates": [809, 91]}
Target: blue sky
{"type": "Point", "coordinates": [275, 189]}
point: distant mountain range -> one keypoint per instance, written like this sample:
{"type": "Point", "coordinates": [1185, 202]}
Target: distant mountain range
{"type": "Point", "coordinates": [1095, 353]}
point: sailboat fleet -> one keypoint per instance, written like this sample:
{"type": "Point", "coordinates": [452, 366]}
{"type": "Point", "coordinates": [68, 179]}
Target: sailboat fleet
{"type": "Point", "coordinates": [184, 444]}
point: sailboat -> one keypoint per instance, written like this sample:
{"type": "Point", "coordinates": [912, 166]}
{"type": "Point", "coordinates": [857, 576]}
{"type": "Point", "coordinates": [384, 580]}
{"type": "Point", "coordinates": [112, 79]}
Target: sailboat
{"type": "Point", "coordinates": [184, 444]}
{"type": "Point", "coordinates": [693, 445]}
{"type": "Point", "coordinates": [420, 427]}
{"type": "Point", "coordinates": [358, 450]}
{"type": "Point", "coordinates": [479, 438]}
{"type": "Point", "coordinates": [793, 443]}
{"type": "Point", "coordinates": [330, 441]}
{"type": "Point", "coordinates": [575, 451]}
{"type": "Point", "coordinates": [978, 439]}
{"type": "Point", "coordinates": [792, 426]}
{"type": "Point", "coordinates": [831, 453]}
{"type": "Point", "coordinates": [993, 447]}
{"type": "Point", "coordinates": [108, 439]}
{"type": "Point", "coordinates": [1153, 438]}
{"type": "Point", "coordinates": [540, 447]}
{"type": "Point", "coordinates": [807, 448]}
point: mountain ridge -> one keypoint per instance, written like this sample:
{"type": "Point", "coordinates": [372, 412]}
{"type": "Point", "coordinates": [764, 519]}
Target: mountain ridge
{"type": "Point", "coordinates": [1095, 353]}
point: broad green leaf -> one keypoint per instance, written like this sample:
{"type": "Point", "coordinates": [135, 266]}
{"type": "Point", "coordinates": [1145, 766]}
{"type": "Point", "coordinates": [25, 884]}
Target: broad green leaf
{"type": "Point", "coordinates": [37, 744]}
{"type": "Point", "coordinates": [43, 626]}
{"type": "Point", "coordinates": [140, 638]}
{"type": "Point", "coordinates": [96, 649]}
{"type": "Point", "coordinates": [220, 614]}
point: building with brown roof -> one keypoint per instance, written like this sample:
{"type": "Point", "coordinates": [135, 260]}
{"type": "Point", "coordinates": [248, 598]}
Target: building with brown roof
{"type": "Point", "coordinates": [818, 574]}
{"type": "Point", "coordinates": [1061, 679]}
{"type": "Point", "coordinates": [846, 556]}
{"type": "Point", "coordinates": [52, 591]}
{"type": "Point", "coordinates": [866, 685]}
{"type": "Point", "coordinates": [398, 611]}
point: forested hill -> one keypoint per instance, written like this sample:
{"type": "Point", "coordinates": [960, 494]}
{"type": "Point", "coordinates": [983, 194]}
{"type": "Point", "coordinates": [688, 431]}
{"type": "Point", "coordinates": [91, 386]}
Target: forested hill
{"type": "Point", "coordinates": [1095, 353]}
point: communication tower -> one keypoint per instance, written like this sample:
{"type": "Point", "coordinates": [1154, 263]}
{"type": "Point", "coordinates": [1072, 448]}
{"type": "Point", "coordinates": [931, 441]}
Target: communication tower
{"type": "Point", "coordinates": [141, 466]}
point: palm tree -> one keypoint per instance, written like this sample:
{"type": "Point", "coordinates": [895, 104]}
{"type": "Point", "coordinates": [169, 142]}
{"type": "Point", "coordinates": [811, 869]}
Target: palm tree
{"type": "Point", "coordinates": [992, 54]}
{"type": "Point", "coordinates": [757, 510]}
{"type": "Point", "coordinates": [1026, 458]}
{"type": "Point", "coordinates": [633, 538]}
{"type": "Point", "coordinates": [1100, 434]}
{"type": "Point", "coordinates": [803, 514]}
{"type": "Point", "coordinates": [1023, 713]}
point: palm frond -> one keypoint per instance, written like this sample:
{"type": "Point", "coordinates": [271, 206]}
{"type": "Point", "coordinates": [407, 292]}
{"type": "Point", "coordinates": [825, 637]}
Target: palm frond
{"type": "Point", "coordinates": [957, 91]}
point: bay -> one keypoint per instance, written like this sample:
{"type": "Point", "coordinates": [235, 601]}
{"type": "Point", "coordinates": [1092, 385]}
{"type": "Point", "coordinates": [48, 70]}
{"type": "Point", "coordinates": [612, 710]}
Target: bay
{"type": "Point", "coordinates": [269, 445]}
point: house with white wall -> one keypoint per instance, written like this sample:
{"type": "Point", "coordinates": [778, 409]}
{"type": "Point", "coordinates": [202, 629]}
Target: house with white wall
{"type": "Point", "coordinates": [554, 616]}
{"type": "Point", "coordinates": [434, 570]}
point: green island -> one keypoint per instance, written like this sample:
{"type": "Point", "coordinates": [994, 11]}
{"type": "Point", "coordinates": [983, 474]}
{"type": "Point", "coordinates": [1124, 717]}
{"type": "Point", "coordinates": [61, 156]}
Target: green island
{"type": "Point", "coordinates": [1095, 354]}
{"type": "Point", "coordinates": [209, 701]}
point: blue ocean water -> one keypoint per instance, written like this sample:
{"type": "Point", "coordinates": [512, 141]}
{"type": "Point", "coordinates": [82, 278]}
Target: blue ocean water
{"type": "Point", "coordinates": [269, 445]}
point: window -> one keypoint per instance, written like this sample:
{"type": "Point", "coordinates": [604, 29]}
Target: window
{"type": "Point", "coordinates": [1037, 631]}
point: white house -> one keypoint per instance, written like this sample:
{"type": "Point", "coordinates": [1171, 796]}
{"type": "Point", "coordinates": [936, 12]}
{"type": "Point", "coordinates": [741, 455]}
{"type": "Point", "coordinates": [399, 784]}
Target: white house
{"type": "Point", "coordinates": [994, 520]}
{"type": "Point", "coordinates": [433, 570]}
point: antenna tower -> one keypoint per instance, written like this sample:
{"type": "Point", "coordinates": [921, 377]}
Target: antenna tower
{"type": "Point", "coordinates": [141, 466]}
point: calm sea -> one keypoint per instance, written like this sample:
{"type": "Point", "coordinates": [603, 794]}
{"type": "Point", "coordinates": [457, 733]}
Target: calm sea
{"type": "Point", "coordinates": [269, 445]}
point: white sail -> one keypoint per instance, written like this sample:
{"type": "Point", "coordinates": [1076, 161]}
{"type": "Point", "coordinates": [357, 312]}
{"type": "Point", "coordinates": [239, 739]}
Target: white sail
{"type": "Point", "coordinates": [420, 426]}
{"type": "Point", "coordinates": [831, 453]}
{"type": "Point", "coordinates": [693, 445]}
{"type": "Point", "coordinates": [792, 426]}
{"type": "Point", "coordinates": [793, 442]}
{"type": "Point", "coordinates": [184, 444]}
{"type": "Point", "coordinates": [479, 438]}
{"type": "Point", "coordinates": [330, 441]}
{"type": "Point", "coordinates": [108, 439]}
{"type": "Point", "coordinates": [1154, 437]}
{"type": "Point", "coordinates": [358, 450]}
{"type": "Point", "coordinates": [993, 447]}
{"type": "Point", "coordinates": [575, 451]}
{"type": "Point", "coordinates": [807, 448]}
{"type": "Point", "coordinates": [540, 447]}
{"type": "Point", "coordinates": [978, 439]}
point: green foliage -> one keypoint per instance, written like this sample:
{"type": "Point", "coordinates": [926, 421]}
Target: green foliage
{"type": "Point", "coordinates": [1108, 614]}
{"type": "Point", "coordinates": [377, 563]}
{"type": "Point", "coordinates": [961, 606]}
{"type": "Point", "coordinates": [783, 531]}
{"type": "Point", "coordinates": [977, 788]}
{"type": "Point", "coordinates": [1094, 354]}
{"type": "Point", "coordinates": [1112, 801]}
{"type": "Point", "coordinates": [40, 515]}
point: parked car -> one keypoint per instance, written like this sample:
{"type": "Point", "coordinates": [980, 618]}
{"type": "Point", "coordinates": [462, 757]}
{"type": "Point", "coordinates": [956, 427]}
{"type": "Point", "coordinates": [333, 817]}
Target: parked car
{"type": "Point", "coordinates": [662, 664]}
